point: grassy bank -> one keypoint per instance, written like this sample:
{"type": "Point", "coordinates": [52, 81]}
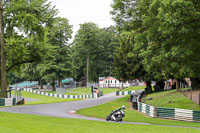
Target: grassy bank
{"type": "Point", "coordinates": [101, 111]}
{"type": "Point", "coordinates": [20, 123]}
{"type": "Point", "coordinates": [86, 91]}
{"type": "Point", "coordinates": [134, 88]}
{"type": "Point", "coordinates": [43, 99]}
{"type": "Point", "coordinates": [171, 99]}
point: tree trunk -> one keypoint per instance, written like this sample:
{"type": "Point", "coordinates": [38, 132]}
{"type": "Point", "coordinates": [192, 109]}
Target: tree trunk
{"type": "Point", "coordinates": [177, 84]}
{"type": "Point", "coordinates": [195, 83]}
{"type": "Point", "coordinates": [59, 82]}
{"type": "Point", "coordinates": [159, 85]}
{"type": "Point", "coordinates": [53, 84]}
{"type": "Point", "coordinates": [3, 51]}
{"type": "Point", "coordinates": [41, 84]}
{"type": "Point", "coordinates": [87, 77]}
{"type": "Point", "coordinates": [148, 86]}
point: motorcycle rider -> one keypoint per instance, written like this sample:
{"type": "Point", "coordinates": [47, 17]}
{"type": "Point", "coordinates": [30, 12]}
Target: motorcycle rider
{"type": "Point", "coordinates": [117, 114]}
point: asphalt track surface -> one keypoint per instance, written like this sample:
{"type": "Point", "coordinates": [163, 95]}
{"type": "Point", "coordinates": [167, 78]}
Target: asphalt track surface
{"type": "Point", "coordinates": [65, 109]}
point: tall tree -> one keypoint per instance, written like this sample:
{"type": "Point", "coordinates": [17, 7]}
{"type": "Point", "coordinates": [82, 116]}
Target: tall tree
{"type": "Point", "coordinates": [58, 64]}
{"type": "Point", "coordinates": [128, 60]}
{"type": "Point", "coordinates": [3, 51]}
{"type": "Point", "coordinates": [166, 35]}
{"type": "Point", "coordinates": [26, 30]}
{"type": "Point", "coordinates": [108, 43]}
{"type": "Point", "coordinates": [86, 44]}
{"type": "Point", "coordinates": [172, 32]}
{"type": "Point", "coordinates": [97, 44]}
{"type": "Point", "coordinates": [26, 33]}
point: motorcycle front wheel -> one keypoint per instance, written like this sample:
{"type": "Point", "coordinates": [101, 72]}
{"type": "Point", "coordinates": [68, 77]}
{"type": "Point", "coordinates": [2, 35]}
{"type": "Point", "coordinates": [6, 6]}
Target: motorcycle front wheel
{"type": "Point", "coordinates": [108, 118]}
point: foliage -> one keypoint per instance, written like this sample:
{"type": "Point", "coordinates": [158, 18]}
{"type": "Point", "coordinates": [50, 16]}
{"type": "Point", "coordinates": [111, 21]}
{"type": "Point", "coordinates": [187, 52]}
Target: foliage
{"type": "Point", "coordinates": [26, 31]}
{"type": "Point", "coordinates": [85, 48]}
{"type": "Point", "coordinates": [92, 51]}
{"type": "Point", "coordinates": [127, 63]}
{"type": "Point", "coordinates": [51, 62]}
{"type": "Point", "coordinates": [165, 36]}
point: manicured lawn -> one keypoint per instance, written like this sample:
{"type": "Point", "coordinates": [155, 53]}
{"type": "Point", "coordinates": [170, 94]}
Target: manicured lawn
{"type": "Point", "coordinates": [86, 91]}
{"type": "Point", "coordinates": [109, 90]}
{"type": "Point", "coordinates": [21, 123]}
{"type": "Point", "coordinates": [134, 88]}
{"type": "Point", "coordinates": [171, 99]}
{"type": "Point", "coordinates": [75, 91]}
{"type": "Point", "coordinates": [43, 99]}
{"type": "Point", "coordinates": [103, 110]}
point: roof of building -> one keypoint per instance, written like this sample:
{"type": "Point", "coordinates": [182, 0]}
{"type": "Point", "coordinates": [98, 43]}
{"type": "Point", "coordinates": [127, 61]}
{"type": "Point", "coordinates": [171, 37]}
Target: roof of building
{"type": "Point", "coordinates": [109, 78]}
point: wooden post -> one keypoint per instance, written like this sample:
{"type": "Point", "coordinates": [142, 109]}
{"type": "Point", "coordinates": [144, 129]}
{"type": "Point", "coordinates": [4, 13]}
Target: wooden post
{"type": "Point", "coordinates": [199, 98]}
{"type": "Point", "coordinates": [191, 94]}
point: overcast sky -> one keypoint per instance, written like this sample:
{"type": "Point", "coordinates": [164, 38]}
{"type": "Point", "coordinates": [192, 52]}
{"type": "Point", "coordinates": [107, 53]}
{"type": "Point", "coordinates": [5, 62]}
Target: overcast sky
{"type": "Point", "coordinates": [81, 11]}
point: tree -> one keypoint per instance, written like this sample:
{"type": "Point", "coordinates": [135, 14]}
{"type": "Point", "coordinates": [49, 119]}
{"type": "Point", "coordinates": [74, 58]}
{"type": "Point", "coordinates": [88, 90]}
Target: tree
{"type": "Point", "coordinates": [128, 60]}
{"type": "Point", "coordinates": [125, 14]}
{"type": "Point", "coordinates": [108, 44]}
{"type": "Point", "coordinates": [58, 64]}
{"type": "Point", "coordinates": [85, 45]}
{"type": "Point", "coordinates": [3, 51]}
{"type": "Point", "coordinates": [93, 51]}
{"type": "Point", "coordinates": [172, 32]}
{"type": "Point", "coordinates": [166, 35]}
{"type": "Point", "coordinates": [26, 32]}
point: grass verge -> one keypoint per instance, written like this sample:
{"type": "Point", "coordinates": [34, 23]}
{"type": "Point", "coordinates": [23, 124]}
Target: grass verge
{"type": "Point", "coordinates": [43, 99]}
{"type": "Point", "coordinates": [101, 111]}
{"type": "Point", "coordinates": [171, 99]}
{"type": "Point", "coordinates": [87, 91]}
{"type": "Point", "coordinates": [134, 88]}
{"type": "Point", "coordinates": [20, 123]}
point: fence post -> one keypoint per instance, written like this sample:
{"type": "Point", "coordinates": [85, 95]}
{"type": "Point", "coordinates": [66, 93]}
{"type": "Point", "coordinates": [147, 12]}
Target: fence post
{"type": "Point", "coordinates": [155, 112]}
{"type": "Point", "coordinates": [186, 93]}
{"type": "Point", "coordinates": [199, 98]}
{"type": "Point", "coordinates": [191, 94]}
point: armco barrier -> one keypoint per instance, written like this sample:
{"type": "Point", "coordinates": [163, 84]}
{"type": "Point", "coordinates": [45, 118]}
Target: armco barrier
{"type": "Point", "coordinates": [169, 113]}
{"type": "Point", "coordinates": [61, 95]}
{"type": "Point", "coordinates": [147, 109]}
{"type": "Point", "coordinates": [7, 101]}
{"type": "Point", "coordinates": [123, 93]}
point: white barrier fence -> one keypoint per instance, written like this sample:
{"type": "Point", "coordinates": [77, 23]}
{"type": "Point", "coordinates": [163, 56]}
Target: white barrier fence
{"type": "Point", "coordinates": [61, 95]}
{"type": "Point", "coordinates": [169, 113]}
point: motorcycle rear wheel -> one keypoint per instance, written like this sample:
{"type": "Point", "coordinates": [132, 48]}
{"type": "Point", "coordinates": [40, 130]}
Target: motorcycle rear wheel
{"type": "Point", "coordinates": [118, 119]}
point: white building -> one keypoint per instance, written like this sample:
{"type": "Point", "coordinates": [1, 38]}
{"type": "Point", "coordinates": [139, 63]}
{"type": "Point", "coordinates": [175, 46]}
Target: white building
{"type": "Point", "coordinates": [110, 82]}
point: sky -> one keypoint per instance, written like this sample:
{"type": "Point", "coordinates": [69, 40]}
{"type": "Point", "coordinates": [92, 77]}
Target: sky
{"type": "Point", "coordinates": [81, 11]}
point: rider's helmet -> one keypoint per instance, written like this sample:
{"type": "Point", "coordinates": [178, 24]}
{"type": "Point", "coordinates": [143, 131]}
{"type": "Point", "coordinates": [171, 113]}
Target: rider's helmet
{"type": "Point", "coordinates": [123, 107]}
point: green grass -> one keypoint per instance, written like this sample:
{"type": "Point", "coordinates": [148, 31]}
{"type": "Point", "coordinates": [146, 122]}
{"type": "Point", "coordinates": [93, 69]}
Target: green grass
{"type": "Point", "coordinates": [75, 91]}
{"type": "Point", "coordinates": [86, 91]}
{"type": "Point", "coordinates": [134, 88]}
{"type": "Point", "coordinates": [108, 90]}
{"type": "Point", "coordinates": [171, 99]}
{"type": "Point", "coordinates": [43, 99]}
{"type": "Point", "coordinates": [101, 111]}
{"type": "Point", "coordinates": [21, 123]}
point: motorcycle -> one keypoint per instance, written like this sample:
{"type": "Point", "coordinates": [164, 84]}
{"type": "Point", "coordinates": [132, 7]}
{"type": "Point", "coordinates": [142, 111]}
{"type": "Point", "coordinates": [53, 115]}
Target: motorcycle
{"type": "Point", "coordinates": [116, 115]}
